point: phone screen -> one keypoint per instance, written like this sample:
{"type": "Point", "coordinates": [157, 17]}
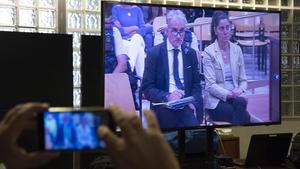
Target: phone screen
{"type": "Point", "coordinates": [73, 130]}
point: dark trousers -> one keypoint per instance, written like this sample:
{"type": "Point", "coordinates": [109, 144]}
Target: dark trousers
{"type": "Point", "coordinates": [169, 118]}
{"type": "Point", "coordinates": [233, 110]}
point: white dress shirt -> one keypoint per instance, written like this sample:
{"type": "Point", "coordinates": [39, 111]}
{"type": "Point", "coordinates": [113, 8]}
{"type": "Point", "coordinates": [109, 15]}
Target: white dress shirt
{"type": "Point", "coordinates": [172, 84]}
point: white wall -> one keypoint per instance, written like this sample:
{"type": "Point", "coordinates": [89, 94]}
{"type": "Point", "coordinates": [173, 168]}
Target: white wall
{"type": "Point", "coordinates": [290, 125]}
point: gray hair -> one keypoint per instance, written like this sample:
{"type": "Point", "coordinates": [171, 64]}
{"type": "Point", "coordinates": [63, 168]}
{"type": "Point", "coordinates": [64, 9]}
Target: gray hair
{"type": "Point", "coordinates": [175, 15]}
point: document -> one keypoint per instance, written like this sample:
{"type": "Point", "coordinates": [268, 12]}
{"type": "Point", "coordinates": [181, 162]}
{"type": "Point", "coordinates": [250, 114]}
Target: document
{"type": "Point", "coordinates": [176, 104]}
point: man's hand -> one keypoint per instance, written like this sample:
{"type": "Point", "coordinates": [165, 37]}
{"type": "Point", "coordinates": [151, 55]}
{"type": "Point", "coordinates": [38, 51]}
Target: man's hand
{"type": "Point", "coordinates": [138, 148]}
{"type": "Point", "coordinates": [176, 95]}
{"type": "Point", "coordinates": [13, 156]}
{"type": "Point", "coordinates": [191, 106]}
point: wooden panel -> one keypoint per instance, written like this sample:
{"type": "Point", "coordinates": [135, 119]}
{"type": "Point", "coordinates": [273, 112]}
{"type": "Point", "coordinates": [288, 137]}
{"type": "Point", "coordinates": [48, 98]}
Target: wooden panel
{"type": "Point", "coordinates": [231, 146]}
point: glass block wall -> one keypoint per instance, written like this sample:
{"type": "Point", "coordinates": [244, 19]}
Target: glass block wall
{"type": "Point", "coordinates": [28, 15]}
{"type": "Point", "coordinates": [83, 17]}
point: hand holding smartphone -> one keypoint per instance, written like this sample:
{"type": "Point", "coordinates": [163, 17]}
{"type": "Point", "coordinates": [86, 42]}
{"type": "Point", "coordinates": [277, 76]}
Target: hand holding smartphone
{"type": "Point", "coordinates": [72, 129]}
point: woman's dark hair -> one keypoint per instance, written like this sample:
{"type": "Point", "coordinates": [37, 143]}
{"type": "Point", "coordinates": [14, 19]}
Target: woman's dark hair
{"type": "Point", "coordinates": [217, 16]}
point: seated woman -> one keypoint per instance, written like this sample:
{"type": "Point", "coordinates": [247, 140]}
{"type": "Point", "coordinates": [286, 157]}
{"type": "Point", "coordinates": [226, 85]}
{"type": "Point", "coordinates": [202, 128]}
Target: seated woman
{"type": "Point", "coordinates": [130, 22]}
{"type": "Point", "coordinates": [225, 77]}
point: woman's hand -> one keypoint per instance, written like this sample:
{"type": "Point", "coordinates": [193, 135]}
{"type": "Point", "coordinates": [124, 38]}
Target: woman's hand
{"type": "Point", "coordinates": [130, 29]}
{"type": "Point", "coordinates": [236, 92]}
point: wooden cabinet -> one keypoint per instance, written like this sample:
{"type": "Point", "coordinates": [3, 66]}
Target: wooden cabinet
{"type": "Point", "coordinates": [231, 146]}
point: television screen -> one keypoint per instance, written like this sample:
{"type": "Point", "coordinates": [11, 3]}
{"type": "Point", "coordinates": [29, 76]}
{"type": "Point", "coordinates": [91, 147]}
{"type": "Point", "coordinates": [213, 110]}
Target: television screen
{"type": "Point", "coordinates": [193, 66]}
{"type": "Point", "coordinates": [35, 67]}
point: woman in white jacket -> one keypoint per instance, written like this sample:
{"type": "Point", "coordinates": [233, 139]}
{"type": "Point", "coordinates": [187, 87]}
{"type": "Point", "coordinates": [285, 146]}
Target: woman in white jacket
{"type": "Point", "coordinates": [224, 70]}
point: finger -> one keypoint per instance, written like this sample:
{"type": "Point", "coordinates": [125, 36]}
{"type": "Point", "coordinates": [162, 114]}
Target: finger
{"type": "Point", "coordinates": [118, 116]}
{"type": "Point", "coordinates": [151, 120]}
{"type": "Point", "coordinates": [177, 95]}
{"type": "Point", "coordinates": [133, 126]}
{"type": "Point", "coordinates": [30, 109]}
{"type": "Point", "coordinates": [11, 113]}
{"type": "Point", "coordinates": [113, 142]}
{"type": "Point", "coordinates": [128, 122]}
{"type": "Point", "coordinates": [116, 112]}
{"type": "Point", "coordinates": [26, 111]}
{"type": "Point", "coordinates": [181, 92]}
{"type": "Point", "coordinates": [22, 115]}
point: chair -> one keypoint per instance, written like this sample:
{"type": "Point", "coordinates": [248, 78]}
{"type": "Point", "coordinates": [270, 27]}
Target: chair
{"type": "Point", "coordinates": [249, 24]}
{"type": "Point", "coordinates": [118, 91]}
{"type": "Point", "coordinates": [261, 47]}
{"type": "Point", "coordinates": [202, 31]}
{"type": "Point", "coordinates": [251, 33]}
{"type": "Point", "coordinates": [158, 23]}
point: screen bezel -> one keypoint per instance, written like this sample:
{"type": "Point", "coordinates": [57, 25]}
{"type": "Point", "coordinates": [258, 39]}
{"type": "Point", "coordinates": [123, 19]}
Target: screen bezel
{"type": "Point", "coordinates": [271, 61]}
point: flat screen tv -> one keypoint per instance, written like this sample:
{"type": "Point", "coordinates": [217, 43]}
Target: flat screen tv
{"type": "Point", "coordinates": [226, 72]}
{"type": "Point", "coordinates": [35, 67]}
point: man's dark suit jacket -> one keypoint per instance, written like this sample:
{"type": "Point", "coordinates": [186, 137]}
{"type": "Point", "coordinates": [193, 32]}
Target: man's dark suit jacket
{"type": "Point", "coordinates": [155, 84]}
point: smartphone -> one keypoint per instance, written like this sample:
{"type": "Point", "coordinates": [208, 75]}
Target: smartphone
{"type": "Point", "coordinates": [62, 128]}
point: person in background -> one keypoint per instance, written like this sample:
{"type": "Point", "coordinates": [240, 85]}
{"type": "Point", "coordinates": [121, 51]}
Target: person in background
{"type": "Point", "coordinates": [138, 148]}
{"type": "Point", "coordinates": [12, 156]}
{"type": "Point", "coordinates": [66, 135]}
{"type": "Point", "coordinates": [151, 12]}
{"type": "Point", "coordinates": [129, 20]}
{"type": "Point", "coordinates": [85, 132]}
{"type": "Point", "coordinates": [225, 77]}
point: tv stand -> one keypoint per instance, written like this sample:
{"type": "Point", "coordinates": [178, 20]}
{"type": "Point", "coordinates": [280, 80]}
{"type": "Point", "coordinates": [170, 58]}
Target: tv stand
{"type": "Point", "coordinates": [209, 162]}
{"type": "Point", "coordinates": [181, 145]}
{"type": "Point", "coordinates": [210, 158]}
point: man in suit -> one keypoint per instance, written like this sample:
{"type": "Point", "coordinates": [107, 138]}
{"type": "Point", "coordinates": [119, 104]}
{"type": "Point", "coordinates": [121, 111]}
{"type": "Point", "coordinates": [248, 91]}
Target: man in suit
{"type": "Point", "coordinates": [171, 74]}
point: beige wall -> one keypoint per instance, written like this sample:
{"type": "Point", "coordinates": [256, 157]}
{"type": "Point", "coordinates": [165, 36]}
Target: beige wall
{"type": "Point", "coordinates": [291, 125]}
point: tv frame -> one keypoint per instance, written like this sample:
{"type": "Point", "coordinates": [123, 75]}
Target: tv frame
{"type": "Point", "coordinates": [274, 77]}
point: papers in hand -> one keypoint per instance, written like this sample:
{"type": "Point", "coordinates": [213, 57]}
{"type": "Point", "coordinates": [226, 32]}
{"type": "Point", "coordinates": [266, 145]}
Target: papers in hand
{"type": "Point", "coordinates": [176, 104]}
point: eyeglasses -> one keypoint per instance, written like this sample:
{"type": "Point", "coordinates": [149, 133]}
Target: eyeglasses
{"type": "Point", "coordinates": [176, 33]}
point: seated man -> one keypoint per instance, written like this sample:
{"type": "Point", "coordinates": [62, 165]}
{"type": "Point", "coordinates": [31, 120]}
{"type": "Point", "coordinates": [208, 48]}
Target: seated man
{"type": "Point", "coordinates": [171, 74]}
